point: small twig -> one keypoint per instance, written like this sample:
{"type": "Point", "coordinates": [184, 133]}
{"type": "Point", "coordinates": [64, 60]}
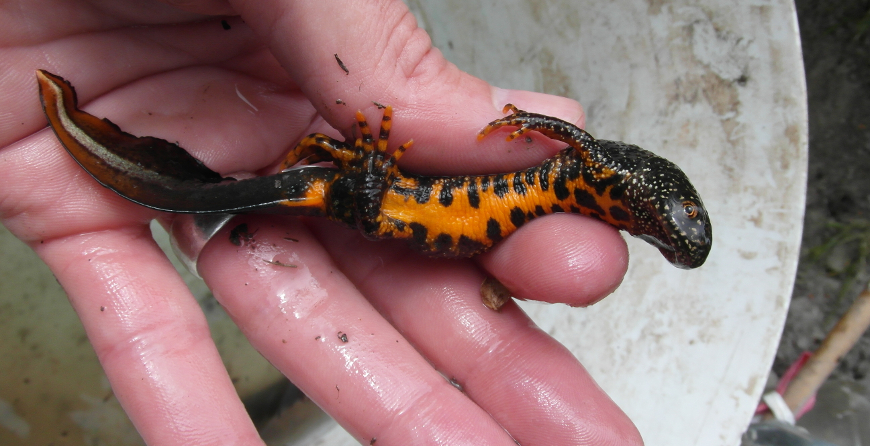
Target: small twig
{"type": "Point", "coordinates": [277, 263]}
{"type": "Point", "coordinates": [838, 342]}
{"type": "Point", "coordinates": [341, 65]}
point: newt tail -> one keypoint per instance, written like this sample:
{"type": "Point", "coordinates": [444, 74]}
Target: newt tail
{"type": "Point", "coordinates": [452, 216]}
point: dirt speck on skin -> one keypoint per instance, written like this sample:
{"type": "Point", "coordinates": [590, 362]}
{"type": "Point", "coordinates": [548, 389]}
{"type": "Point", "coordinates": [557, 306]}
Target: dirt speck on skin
{"type": "Point", "coordinates": [836, 45]}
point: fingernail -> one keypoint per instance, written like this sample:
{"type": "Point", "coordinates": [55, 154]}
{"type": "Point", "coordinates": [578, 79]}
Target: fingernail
{"type": "Point", "coordinates": [545, 104]}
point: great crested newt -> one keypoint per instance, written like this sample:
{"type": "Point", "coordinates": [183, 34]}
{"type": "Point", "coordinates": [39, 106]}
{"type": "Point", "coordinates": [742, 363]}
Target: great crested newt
{"type": "Point", "coordinates": [451, 216]}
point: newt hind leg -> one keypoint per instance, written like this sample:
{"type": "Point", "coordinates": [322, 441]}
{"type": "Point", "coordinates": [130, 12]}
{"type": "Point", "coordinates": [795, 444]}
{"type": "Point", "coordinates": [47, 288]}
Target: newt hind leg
{"type": "Point", "coordinates": [316, 148]}
{"type": "Point", "coordinates": [548, 126]}
{"type": "Point", "coordinates": [377, 172]}
{"type": "Point", "coordinates": [374, 154]}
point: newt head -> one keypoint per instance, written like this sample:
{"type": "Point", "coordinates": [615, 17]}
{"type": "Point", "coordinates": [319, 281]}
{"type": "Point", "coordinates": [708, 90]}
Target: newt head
{"type": "Point", "coordinates": [667, 211]}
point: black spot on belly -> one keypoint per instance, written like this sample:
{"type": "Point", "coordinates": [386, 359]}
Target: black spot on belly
{"type": "Point", "coordinates": [421, 192]}
{"type": "Point", "coordinates": [468, 246]}
{"type": "Point", "coordinates": [560, 186]}
{"type": "Point", "coordinates": [418, 234]}
{"type": "Point", "coordinates": [544, 174]}
{"type": "Point", "coordinates": [556, 208]}
{"type": "Point", "coordinates": [446, 195]}
{"type": "Point", "coordinates": [500, 185]}
{"type": "Point", "coordinates": [618, 190]}
{"type": "Point", "coordinates": [530, 177]}
{"type": "Point", "coordinates": [539, 210]}
{"type": "Point", "coordinates": [484, 184]}
{"type": "Point", "coordinates": [619, 214]}
{"type": "Point", "coordinates": [443, 242]}
{"type": "Point", "coordinates": [473, 196]}
{"type": "Point", "coordinates": [587, 200]}
{"type": "Point", "coordinates": [493, 230]}
{"type": "Point", "coordinates": [518, 217]}
{"type": "Point", "coordinates": [519, 186]}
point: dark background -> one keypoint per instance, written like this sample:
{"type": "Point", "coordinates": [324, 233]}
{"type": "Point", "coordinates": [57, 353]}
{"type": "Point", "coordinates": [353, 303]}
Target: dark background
{"type": "Point", "coordinates": [836, 46]}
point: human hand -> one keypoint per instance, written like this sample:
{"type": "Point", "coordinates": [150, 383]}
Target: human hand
{"type": "Point", "coordinates": [407, 317]}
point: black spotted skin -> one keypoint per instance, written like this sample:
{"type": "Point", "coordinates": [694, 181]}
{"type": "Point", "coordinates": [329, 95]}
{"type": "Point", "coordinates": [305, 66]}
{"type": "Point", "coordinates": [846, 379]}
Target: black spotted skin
{"type": "Point", "coordinates": [459, 216]}
{"type": "Point", "coordinates": [453, 216]}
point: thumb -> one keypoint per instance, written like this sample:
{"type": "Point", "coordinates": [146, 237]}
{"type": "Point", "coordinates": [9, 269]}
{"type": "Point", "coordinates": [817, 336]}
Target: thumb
{"type": "Point", "coordinates": [345, 56]}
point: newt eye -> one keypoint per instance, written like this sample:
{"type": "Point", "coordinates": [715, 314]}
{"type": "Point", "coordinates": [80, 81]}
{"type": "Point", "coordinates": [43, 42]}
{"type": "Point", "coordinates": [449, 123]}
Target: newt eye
{"type": "Point", "coordinates": [691, 209]}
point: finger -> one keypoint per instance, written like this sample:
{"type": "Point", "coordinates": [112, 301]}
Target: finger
{"type": "Point", "coordinates": [526, 380]}
{"type": "Point", "coordinates": [560, 259]}
{"type": "Point", "coordinates": [151, 338]}
{"type": "Point", "coordinates": [212, 7]}
{"type": "Point", "coordinates": [302, 314]}
{"type": "Point", "coordinates": [46, 196]}
{"type": "Point", "coordinates": [24, 24]}
{"type": "Point", "coordinates": [391, 61]}
{"type": "Point", "coordinates": [147, 330]}
{"type": "Point", "coordinates": [81, 58]}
